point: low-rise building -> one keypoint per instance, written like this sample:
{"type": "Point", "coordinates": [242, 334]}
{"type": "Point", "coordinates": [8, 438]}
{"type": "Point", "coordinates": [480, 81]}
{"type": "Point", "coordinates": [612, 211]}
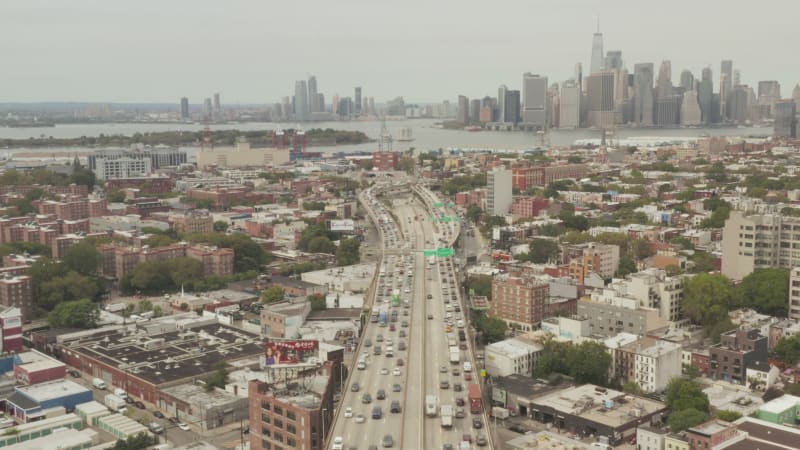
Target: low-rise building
{"type": "Point", "coordinates": [782, 410]}
{"type": "Point", "coordinates": [650, 438]}
{"type": "Point", "coordinates": [205, 409]}
{"type": "Point", "coordinates": [710, 434]}
{"type": "Point", "coordinates": [609, 314]}
{"type": "Point", "coordinates": [516, 355]}
{"type": "Point", "coordinates": [737, 349]}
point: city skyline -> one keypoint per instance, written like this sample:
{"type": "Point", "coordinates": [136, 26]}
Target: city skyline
{"type": "Point", "coordinates": [175, 60]}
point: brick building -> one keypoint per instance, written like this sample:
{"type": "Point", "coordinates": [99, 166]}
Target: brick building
{"type": "Point", "coordinates": [193, 221]}
{"type": "Point", "coordinates": [475, 197]}
{"type": "Point", "coordinates": [584, 259]}
{"type": "Point", "coordinates": [528, 207]}
{"type": "Point", "coordinates": [118, 260]}
{"type": "Point", "coordinates": [735, 352]}
{"type": "Point", "coordinates": [519, 301]}
{"type": "Point", "coordinates": [17, 291]}
{"type": "Point", "coordinates": [147, 185]}
{"type": "Point", "coordinates": [385, 160]}
{"type": "Point", "coordinates": [524, 177]}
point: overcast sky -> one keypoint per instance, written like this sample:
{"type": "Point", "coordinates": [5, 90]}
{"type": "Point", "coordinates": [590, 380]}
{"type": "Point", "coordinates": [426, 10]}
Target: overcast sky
{"type": "Point", "coordinates": [424, 50]}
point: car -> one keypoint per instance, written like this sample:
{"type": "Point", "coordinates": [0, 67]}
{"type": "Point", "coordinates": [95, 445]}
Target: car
{"type": "Point", "coordinates": [462, 346]}
{"type": "Point", "coordinates": [517, 429]}
{"type": "Point", "coordinates": [128, 400]}
{"type": "Point", "coordinates": [460, 413]}
{"type": "Point", "coordinates": [366, 398]}
{"type": "Point", "coordinates": [456, 372]}
{"type": "Point", "coordinates": [467, 437]}
{"type": "Point", "coordinates": [377, 413]}
{"type": "Point", "coordinates": [481, 440]}
{"type": "Point", "coordinates": [379, 338]}
{"type": "Point", "coordinates": [74, 374]}
{"type": "Point", "coordinates": [447, 446]}
{"type": "Point", "coordinates": [458, 387]}
{"type": "Point", "coordinates": [459, 401]}
{"type": "Point", "coordinates": [396, 372]}
{"type": "Point", "coordinates": [442, 369]}
{"type": "Point", "coordinates": [405, 312]}
{"type": "Point", "coordinates": [360, 418]}
{"type": "Point", "coordinates": [400, 361]}
{"type": "Point", "coordinates": [173, 420]}
{"type": "Point", "coordinates": [183, 426]}
{"type": "Point", "coordinates": [381, 395]}
{"type": "Point", "coordinates": [338, 443]}
{"type": "Point", "coordinates": [348, 412]}
{"type": "Point", "coordinates": [355, 387]}
{"type": "Point", "coordinates": [401, 345]}
{"type": "Point", "coordinates": [477, 422]}
{"type": "Point", "coordinates": [389, 341]}
{"type": "Point", "coordinates": [368, 342]}
{"type": "Point", "coordinates": [404, 324]}
{"type": "Point", "coordinates": [395, 408]}
{"type": "Point", "coordinates": [402, 333]}
{"type": "Point", "coordinates": [396, 388]}
{"type": "Point", "coordinates": [158, 414]}
{"type": "Point", "coordinates": [444, 384]}
{"type": "Point", "coordinates": [467, 376]}
{"type": "Point", "coordinates": [138, 404]}
{"type": "Point", "coordinates": [392, 327]}
{"type": "Point", "coordinates": [430, 316]}
{"type": "Point", "coordinates": [387, 442]}
{"type": "Point", "coordinates": [430, 296]}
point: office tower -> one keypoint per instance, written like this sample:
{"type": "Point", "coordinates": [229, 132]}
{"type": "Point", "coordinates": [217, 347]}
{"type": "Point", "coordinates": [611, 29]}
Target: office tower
{"type": "Point", "coordinates": [335, 104]}
{"type": "Point", "coordinates": [498, 191]}
{"type": "Point", "coordinates": [184, 108]}
{"type": "Point", "coordinates": [463, 110]}
{"type": "Point", "coordinates": [357, 101]}
{"type": "Point", "coordinates": [286, 112]}
{"type": "Point", "coordinates": [300, 100]}
{"type": "Point", "coordinates": [738, 104]}
{"type": "Point", "coordinates": [667, 110]}
{"type": "Point", "coordinates": [313, 106]}
{"type": "Point", "coordinates": [691, 114]}
{"type": "Point", "coordinates": [579, 75]}
{"type": "Point", "coordinates": [207, 109]}
{"type": "Point", "coordinates": [785, 114]}
{"type": "Point", "coordinates": [613, 60]}
{"type": "Point", "coordinates": [737, 77]}
{"type": "Point", "coordinates": [512, 107]}
{"type": "Point", "coordinates": [664, 82]}
{"type": "Point", "coordinates": [796, 94]}
{"type": "Point", "coordinates": [365, 106]}
{"type": "Point", "coordinates": [769, 92]}
{"type": "Point", "coordinates": [600, 98]}
{"type": "Point", "coordinates": [597, 51]}
{"type": "Point", "coordinates": [345, 109]}
{"type": "Point", "coordinates": [622, 104]}
{"type": "Point", "coordinates": [501, 103]}
{"type": "Point", "coordinates": [217, 107]}
{"type": "Point", "coordinates": [372, 105]}
{"type": "Point", "coordinates": [744, 250]}
{"type": "Point", "coordinates": [687, 80]}
{"type": "Point", "coordinates": [534, 100]}
{"type": "Point", "coordinates": [725, 86]}
{"type": "Point", "coordinates": [320, 102]}
{"type": "Point", "coordinates": [474, 110]}
{"type": "Point", "coordinates": [569, 113]}
{"type": "Point", "coordinates": [705, 95]}
{"type": "Point", "coordinates": [643, 88]}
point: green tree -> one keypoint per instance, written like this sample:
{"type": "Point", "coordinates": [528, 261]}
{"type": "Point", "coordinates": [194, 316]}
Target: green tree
{"type": "Point", "coordinates": [717, 172]}
{"type": "Point", "coordinates": [787, 350]}
{"type": "Point", "coordinates": [589, 363]}
{"type": "Point", "coordinates": [140, 441]}
{"type": "Point", "coordinates": [632, 387]}
{"type": "Point", "coordinates": [682, 393]}
{"type": "Point", "coordinates": [321, 244]}
{"type": "Point", "coordinates": [702, 262]}
{"type": "Point", "coordinates": [685, 419]}
{"type": "Point", "coordinates": [220, 226]}
{"type": "Point", "coordinates": [348, 252]}
{"type": "Point", "coordinates": [543, 250]}
{"type": "Point", "coordinates": [766, 291]}
{"type": "Point", "coordinates": [74, 314]}
{"type": "Point", "coordinates": [474, 213]}
{"type": "Point", "coordinates": [219, 378]}
{"type": "Point", "coordinates": [682, 242]}
{"type": "Point", "coordinates": [273, 294]}
{"type": "Point", "coordinates": [406, 164]}
{"type": "Point", "coordinates": [491, 328]}
{"type": "Point", "coordinates": [314, 206]}
{"type": "Point", "coordinates": [552, 358]}
{"type": "Point", "coordinates": [717, 218]}
{"type": "Point", "coordinates": [82, 257]}
{"type": "Point", "coordinates": [185, 271]}
{"type": "Point", "coordinates": [318, 302]}
{"type": "Point", "coordinates": [626, 266]}
{"type": "Point", "coordinates": [728, 415]}
{"type": "Point", "coordinates": [480, 285]}
{"type": "Point", "coordinates": [72, 286]}
{"type": "Point", "coordinates": [708, 298]}
{"type": "Point", "coordinates": [115, 196]}
{"type": "Point", "coordinates": [641, 249]}
{"type": "Point", "coordinates": [550, 229]}
{"type": "Point", "coordinates": [247, 254]}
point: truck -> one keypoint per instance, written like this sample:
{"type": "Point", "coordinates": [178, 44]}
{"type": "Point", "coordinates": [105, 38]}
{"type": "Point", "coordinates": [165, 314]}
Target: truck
{"type": "Point", "coordinates": [475, 400]}
{"type": "Point", "coordinates": [98, 383]}
{"type": "Point", "coordinates": [446, 412]}
{"type": "Point", "coordinates": [455, 355]}
{"type": "Point", "coordinates": [500, 413]}
{"type": "Point", "coordinates": [383, 317]}
{"type": "Point", "coordinates": [116, 404]}
{"type": "Point", "coordinates": [451, 342]}
{"type": "Point", "coordinates": [430, 405]}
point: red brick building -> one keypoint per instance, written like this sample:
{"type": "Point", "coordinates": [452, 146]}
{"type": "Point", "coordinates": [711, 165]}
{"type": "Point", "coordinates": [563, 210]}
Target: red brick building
{"type": "Point", "coordinates": [519, 301]}
{"type": "Point", "coordinates": [385, 160]}
{"type": "Point", "coordinates": [147, 185]}
{"type": "Point", "coordinates": [475, 197]}
{"type": "Point", "coordinates": [529, 207]}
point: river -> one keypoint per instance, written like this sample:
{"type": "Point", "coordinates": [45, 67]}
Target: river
{"type": "Point", "coordinates": [426, 135]}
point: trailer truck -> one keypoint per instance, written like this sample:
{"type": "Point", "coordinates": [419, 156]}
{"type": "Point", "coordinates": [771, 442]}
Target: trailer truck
{"type": "Point", "coordinates": [455, 355]}
{"type": "Point", "coordinates": [475, 401]}
{"type": "Point", "coordinates": [446, 411]}
{"type": "Point", "coordinates": [115, 403]}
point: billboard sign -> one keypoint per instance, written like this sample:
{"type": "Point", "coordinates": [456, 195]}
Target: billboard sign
{"type": "Point", "coordinates": [289, 352]}
{"type": "Point", "coordinates": [343, 225]}
{"type": "Point", "coordinates": [499, 395]}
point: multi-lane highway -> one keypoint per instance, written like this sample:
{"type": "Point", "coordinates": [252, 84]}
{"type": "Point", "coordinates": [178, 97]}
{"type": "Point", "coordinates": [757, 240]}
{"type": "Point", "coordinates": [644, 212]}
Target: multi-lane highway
{"type": "Point", "coordinates": [415, 315]}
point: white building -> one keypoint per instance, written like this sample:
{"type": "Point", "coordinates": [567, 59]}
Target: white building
{"type": "Point", "coordinates": [650, 438]}
{"type": "Point", "coordinates": [108, 169]}
{"type": "Point", "coordinates": [567, 328]}
{"type": "Point", "coordinates": [656, 365]}
{"type": "Point", "coordinates": [499, 192]}
{"type": "Point", "coordinates": [654, 289]}
{"type": "Point", "coordinates": [512, 356]}
{"type": "Point", "coordinates": [794, 294]}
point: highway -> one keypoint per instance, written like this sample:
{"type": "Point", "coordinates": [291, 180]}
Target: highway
{"type": "Point", "coordinates": [424, 363]}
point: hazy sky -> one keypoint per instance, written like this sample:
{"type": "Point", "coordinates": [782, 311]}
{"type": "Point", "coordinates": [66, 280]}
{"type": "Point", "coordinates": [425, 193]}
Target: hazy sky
{"type": "Point", "coordinates": [424, 50]}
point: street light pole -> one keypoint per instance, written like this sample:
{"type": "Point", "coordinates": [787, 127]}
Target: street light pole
{"type": "Point", "coordinates": [324, 410]}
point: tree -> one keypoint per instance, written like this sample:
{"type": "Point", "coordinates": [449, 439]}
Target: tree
{"type": "Point", "coordinates": [684, 393]}
{"type": "Point", "coordinates": [273, 294]}
{"type": "Point", "coordinates": [702, 263]}
{"type": "Point", "coordinates": [115, 196]}
{"type": "Point", "coordinates": [641, 249]}
{"type": "Point", "coordinates": [708, 298]}
{"type": "Point", "coordinates": [492, 328]}
{"type": "Point", "coordinates": [550, 229]}
{"type": "Point", "coordinates": [72, 286]}
{"type": "Point", "coordinates": [219, 378]}
{"type": "Point", "coordinates": [682, 242]}
{"type": "Point", "coordinates": [318, 302]}
{"type": "Point", "coordinates": [787, 350]}
{"type": "Point", "coordinates": [480, 285]}
{"type": "Point", "coordinates": [626, 266]}
{"type": "Point", "coordinates": [632, 387]}
{"type": "Point", "coordinates": [589, 363]}
{"type": "Point", "coordinates": [220, 226]}
{"type": "Point", "coordinates": [552, 358]}
{"type": "Point", "coordinates": [766, 291]}
{"type": "Point", "coordinates": [204, 203]}
{"type": "Point", "coordinates": [348, 252]}
{"type": "Point", "coordinates": [74, 314]}
{"type": "Point", "coordinates": [728, 415]}
{"type": "Point", "coordinates": [82, 257]}
{"type": "Point", "coordinates": [543, 250]}
{"type": "Point", "coordinates": [406, 164]}
{"type": "Point", "coordinates": [247, 254]}
{"type": "Point", "coordinates": [321, 244]}
{"type": "Point", "coordinates": [717, 218]}
{"type": "Point", "coordinates": [314, 206]}
{"type": "Point", "coordinates": [576, 222]}
{"type": "Point", "coordinates": [474, 213]}
{"type": "Point", "coordinates": [685, 419]}
{"type": "Point", "coordinates": [140, 441]}
{"type": "Point", "coordinates": [717, 172]}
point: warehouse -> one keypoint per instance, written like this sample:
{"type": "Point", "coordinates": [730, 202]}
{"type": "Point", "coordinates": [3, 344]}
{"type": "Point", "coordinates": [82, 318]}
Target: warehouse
{"type": "Point", "coordinates": [31, 402]}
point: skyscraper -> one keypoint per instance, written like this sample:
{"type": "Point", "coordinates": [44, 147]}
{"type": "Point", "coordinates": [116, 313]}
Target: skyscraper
{"type": "Point", "coordinates": [738, 104]}
{"type": "Point", "coordinates": [372, 105]}
{"type": "Point", "coordinates": [769, 92]}
{"type": "Point", "coordinates": [725, 85]}
{"type": "Point", "coordinates": [579, 75]}
{"type": "Point", "coordinates": [207, 109]}
{"type": "Point", "coordinates": [687, 80]}
{"type": "Point", "coordinates": [667, 110]}
{"type": "Point", "coordinates": [301, 100]}
{"type": "Point", "coordinates": [475, 110]}
{"type": "Point", "coordinates": [613, 60]}
{"type": "Point", "coordinates": [357, 101]}
{"type": "Point", "coordinates": [570, 107]}
{"type": "Point", "coordinates": [664, 82]}
{"type": "Point", "coordinates": [597, 51]}
{"type": "Point", "coordinates": [534, 100]}
{"type": "Point", "coordinates": [622, 104]}
{"type": "Point", "coordinates": [463, 110]}
{"type": "Point", "coordinates": [512, 107]}
{"type": "Point", "coordinates": [643, 88]}
{"type": "Point", "coordinates": [600, 97]}
{"type": "Point", "coordinates": [184, 108]}
{"type": "Point", "coordinates": [785, 118]}
{"type": "Point", "coordinates": [705, 95]}
{"type": "Point", "coordinates": [498, 191]}
{"type": "Point", "coordinates": [690, 109]}
{"type": "Point", "coordinates": [796, 94]}
{"type": "Point", "coordinates": [217, 107]}
{"type": "Point", "coordinates": [501, 103]}
{"type": "Point", "coordinates": [313, 100]}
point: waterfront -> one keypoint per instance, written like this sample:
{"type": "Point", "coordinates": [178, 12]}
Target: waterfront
{"type": "Point", "coordinates": [426, 135]}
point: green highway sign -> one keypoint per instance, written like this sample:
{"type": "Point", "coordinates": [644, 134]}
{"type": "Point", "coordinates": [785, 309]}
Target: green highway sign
{"type": "Point", "coordinates": [447, 219]}
{"type": "Point", "coordinates": [429, 252]}
{"type": "Point", "coordinates": [451, 204]}
{"type": "Point", "coordinates": [444, 252]}
{"type": "Point", "coordinates": [438, 204]}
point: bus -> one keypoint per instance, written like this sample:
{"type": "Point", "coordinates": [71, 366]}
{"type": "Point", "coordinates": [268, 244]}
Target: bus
{"type": "Point", "coordinates": [396, 298]}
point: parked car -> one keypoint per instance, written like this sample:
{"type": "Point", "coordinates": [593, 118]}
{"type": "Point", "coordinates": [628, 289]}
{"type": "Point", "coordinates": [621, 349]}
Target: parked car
{"type": "Point", "coordinates": [158, 414]}
{"type": "Point", "coordinates": [138, 404]}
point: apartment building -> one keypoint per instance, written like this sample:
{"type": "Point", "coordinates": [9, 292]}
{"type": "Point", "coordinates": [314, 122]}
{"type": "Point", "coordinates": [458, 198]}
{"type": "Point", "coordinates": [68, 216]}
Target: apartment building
{"type": "Point", "coordinates": [737, 350]}
{"type": "Point", "coordinates": [385, 161]}
{"type": "Point", "coordinates": [794, 293]}
{"type": "Point", "coordinates": [520, 302]}
{"type": "Point", "coordinates": [654, 289]}
{"type": "Point", "coordinates": [512, 356]}
{"type": "Point", "coordinates": [656, 364]}
{"type": "Point", "coordinates": [610, 314]}
{"type": "Point", "coordinates": [193, 221]}
{"type": "Point", "coordinates": [117, 260]}
{"type": "Point", "coordinates": [588, 258]}
{"type": "Point", "coordinates": [759, 241]}
{"type": "Point", "coordinates": [529, 207]}
{"type": "Point", "coordinates": [16, 291]}
{"type": "Point", "coordinates": [498, 192]}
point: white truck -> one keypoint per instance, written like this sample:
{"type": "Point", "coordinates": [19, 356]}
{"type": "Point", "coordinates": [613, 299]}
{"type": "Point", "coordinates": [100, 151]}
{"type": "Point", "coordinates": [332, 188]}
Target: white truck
{"type": "Point", "coordinates": [500, 413]}
{"type": "Point", "coordinates": [446, 412]}
{"type": "Point", "coordinates": [455, 355]}
{"type": "Point", "coordinates": [116, 404]}
{"type": "Point", "coordinates": [430, 405]}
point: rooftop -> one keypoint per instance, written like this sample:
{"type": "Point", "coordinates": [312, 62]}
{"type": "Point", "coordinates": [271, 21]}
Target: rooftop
{"type": "Point", "coordinates": [60, 438]}
{"type": "Point", "coordinates": [605, 406]}
{"type": "Point", "coordinates": [780, 404]}
{"type": "Point", "coordinates": [711, 427]}
{"type": "Point", "coordinates": [514, 348]}
{"type": "Point", "coordinates": [765, 433]}
{"type": "Point", "coordinates": [197, 395]}
{"type": "Point", "coordinates": [53, 389]}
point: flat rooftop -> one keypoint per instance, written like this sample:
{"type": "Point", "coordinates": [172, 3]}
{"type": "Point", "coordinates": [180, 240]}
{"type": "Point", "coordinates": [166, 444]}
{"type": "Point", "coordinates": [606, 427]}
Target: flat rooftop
{"type": "Point", "coordinates": [780, 404]}
{"type": "Point", "coordinates": [766, 435]}
{"type": "Point", "coordinates": [604, 406]}
{"type": "Point", "coordinates": [53, 389]}
{"type": "Point", "coordinates": [710, 427]}
{"type": "Point", "coordinates": [513, 348]}
{"type": "Point", "coordinates": [64, 438]}
{"type": "Point", "coordinates": [171, 356]}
